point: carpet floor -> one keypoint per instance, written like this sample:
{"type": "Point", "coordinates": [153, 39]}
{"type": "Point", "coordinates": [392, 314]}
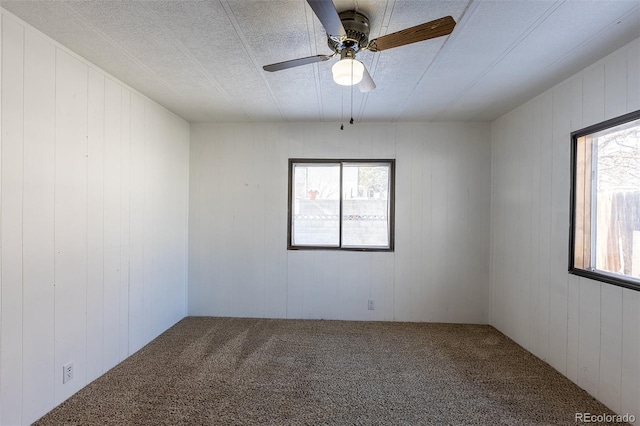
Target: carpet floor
{"type": "Point", "coordinates": [236, 371]}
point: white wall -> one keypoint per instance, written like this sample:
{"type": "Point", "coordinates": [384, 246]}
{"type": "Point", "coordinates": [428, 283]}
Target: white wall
{"type": "Point", "coordinates": [587, 330]}
{"type": "Point", "coordinates": [94, 222]}
{"type": "Point", "coordinates": [238, 259]}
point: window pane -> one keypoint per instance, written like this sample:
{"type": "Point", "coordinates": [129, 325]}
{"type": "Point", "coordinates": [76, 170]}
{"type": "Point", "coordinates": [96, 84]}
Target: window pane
{"type": "Point", "coordinates": [617, 199]}
{"type": "Point", "coordinates": [606, 201]}
{"type": "Point", "coordinates": [316, 205]}
{"type": "Point", "coordinates": [365, 209]}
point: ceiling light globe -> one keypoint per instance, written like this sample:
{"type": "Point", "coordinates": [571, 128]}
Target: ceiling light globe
{"type": "Point", "coordinates": [342, 71]}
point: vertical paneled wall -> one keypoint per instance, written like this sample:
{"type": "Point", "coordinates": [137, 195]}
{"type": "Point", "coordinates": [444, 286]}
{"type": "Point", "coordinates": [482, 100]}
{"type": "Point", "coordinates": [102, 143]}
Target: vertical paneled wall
{"type": "Point", "coordinates": [94, 222]}
{"type": "Point", "coordinates": [238, 259]}
{"type": "Point", "coordinates": [587, 330]}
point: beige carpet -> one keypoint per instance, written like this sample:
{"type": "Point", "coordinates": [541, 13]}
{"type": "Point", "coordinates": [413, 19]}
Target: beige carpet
{"type": "Point", "coordinates": [227, 371]}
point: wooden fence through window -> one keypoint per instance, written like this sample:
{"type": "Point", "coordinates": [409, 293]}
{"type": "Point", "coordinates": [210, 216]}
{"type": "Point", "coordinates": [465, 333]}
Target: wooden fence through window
{"type": "Point", "coordinates": [618, 231]}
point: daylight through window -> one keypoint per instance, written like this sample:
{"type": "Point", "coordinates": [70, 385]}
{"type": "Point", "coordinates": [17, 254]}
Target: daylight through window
{"type": "Point", "coordinates": [606, 202]}
{"type": "Point", "coordinates": [341, 204]}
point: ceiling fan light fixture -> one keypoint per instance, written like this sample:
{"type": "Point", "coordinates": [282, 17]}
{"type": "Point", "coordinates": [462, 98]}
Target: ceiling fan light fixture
{"type": "Point", "coordinates": [343, 69]}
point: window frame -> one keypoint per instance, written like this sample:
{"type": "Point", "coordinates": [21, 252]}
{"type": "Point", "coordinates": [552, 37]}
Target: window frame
{"type": "Point", "coordinates": [592, 273]}
{"type": "Point", "coordinates": [342, 162]}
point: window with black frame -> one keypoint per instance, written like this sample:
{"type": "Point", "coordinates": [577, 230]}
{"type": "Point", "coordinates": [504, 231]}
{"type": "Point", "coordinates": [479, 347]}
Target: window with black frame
{"type": "Point", "coordinates": [605, 201]}
{"type": "Point", "coordinates": [341, 204]}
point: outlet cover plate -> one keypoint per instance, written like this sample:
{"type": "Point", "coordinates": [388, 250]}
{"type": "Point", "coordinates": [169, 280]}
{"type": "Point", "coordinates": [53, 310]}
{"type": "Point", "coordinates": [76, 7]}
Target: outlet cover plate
{"type": "Point", "coordinates": [67, 372]}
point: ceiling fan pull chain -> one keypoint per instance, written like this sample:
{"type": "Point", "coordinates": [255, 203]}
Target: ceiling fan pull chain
{"type": "Point", "coordinates": [351, 121]}
{"type": "Point", "coordinates": [342, 106]}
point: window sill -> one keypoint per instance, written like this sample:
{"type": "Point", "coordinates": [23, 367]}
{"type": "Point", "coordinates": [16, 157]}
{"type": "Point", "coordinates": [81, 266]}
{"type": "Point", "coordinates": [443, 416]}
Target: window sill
{"type": "Point", "coordinates": [619, 280]}
{"type": "Point", "coordinates": [316, 248]}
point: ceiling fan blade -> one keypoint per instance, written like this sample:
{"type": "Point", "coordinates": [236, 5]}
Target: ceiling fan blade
{"type": "Point", "coordinates": [328, 16]}
{"type": "Point", "coordinates": [438, 28]}
{"type": "Point", "coordinates": [367, 84]}
{"type": "Point", "coordinates": [296, 62]}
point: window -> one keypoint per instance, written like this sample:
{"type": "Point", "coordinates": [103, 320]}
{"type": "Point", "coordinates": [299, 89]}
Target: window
{"type": "Point", "coordinates": [605, 202]}
{"type": "Point", "coordinates": [341, 204]}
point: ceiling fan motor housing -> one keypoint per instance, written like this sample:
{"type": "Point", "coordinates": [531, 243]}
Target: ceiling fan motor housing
{"type": "Point", "coordinates": [356, 25]}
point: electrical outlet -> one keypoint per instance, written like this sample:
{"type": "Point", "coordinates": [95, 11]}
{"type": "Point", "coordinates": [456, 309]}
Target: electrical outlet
{"type": "Point", "coordinates": [67, 372]}
{"type": "Point", "coordinates": [371, 305]}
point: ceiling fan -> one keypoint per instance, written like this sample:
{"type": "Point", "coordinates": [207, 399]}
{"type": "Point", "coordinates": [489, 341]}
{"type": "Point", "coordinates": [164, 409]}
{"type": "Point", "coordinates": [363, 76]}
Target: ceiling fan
{"type": "Point", "coordinates": [348, 33]}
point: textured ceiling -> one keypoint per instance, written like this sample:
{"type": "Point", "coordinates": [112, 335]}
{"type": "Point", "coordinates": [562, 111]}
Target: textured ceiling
{"type": "Point", "coordinates": [203, 59]}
